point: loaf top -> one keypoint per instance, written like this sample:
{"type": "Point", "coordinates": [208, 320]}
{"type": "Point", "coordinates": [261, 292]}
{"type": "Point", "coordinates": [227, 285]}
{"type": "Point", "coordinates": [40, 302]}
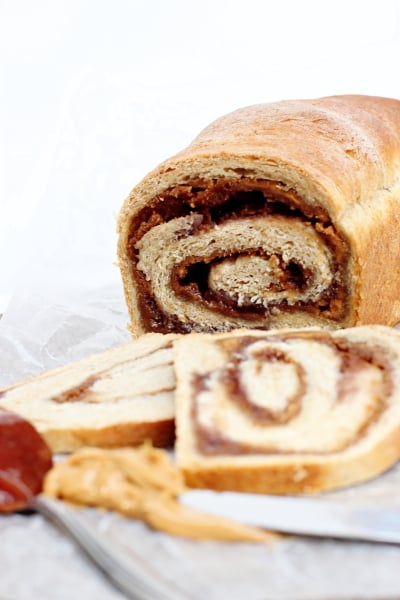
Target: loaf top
{"type": "Point", "coordinates": [333, 151]}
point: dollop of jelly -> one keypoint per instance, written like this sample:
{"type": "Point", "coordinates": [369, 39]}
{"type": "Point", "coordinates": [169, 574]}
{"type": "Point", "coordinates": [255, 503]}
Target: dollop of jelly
{"type": "Point", "coordinates": [25, 459]}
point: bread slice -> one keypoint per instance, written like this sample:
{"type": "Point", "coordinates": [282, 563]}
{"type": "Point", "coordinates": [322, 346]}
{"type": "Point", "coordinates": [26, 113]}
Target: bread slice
{"type": "Point", "coordinates": [119, 397]}
{"type": "Point", "coordinates": [287, 411]}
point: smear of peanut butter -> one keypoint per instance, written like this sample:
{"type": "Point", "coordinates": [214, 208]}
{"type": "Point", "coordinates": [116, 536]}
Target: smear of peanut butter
{"type": "Point", "coordinates": [141, 483]}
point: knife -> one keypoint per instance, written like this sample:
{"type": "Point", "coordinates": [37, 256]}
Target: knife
{"type": "Point", "coordinates": [301, 515]}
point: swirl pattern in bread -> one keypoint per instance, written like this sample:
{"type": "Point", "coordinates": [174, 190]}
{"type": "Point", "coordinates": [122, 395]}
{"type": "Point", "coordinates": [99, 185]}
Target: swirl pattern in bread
{"type": "Point", "coordinates": [287, 411]}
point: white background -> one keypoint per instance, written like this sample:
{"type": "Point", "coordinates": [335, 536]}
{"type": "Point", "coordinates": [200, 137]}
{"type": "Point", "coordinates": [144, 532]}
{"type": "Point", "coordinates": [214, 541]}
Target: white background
{"type": "Point", "coordinates": [93, 94]}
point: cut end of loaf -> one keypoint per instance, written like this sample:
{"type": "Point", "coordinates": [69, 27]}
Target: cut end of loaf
{"type": "Point", "coordinates": [221, 253]}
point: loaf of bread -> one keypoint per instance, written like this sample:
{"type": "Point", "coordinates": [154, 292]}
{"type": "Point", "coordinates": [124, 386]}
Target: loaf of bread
{"type": "Point", "coordinates": [119, 397]}
{"type": "Point", "coordinates": [277, 215]}
{"type": "Point", "coordinates": [287, 411]}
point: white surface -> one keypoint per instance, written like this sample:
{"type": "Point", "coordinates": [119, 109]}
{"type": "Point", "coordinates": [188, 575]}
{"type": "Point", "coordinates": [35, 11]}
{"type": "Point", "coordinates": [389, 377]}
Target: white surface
{"type": "Point", "coordinates": [37, 333]}
{"type": "Point", "coordinates": [113, 87]}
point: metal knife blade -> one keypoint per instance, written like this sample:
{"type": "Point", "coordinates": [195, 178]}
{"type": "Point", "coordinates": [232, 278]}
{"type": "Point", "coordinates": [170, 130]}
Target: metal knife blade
{"type": "Point", "coordinates": [301, 515]}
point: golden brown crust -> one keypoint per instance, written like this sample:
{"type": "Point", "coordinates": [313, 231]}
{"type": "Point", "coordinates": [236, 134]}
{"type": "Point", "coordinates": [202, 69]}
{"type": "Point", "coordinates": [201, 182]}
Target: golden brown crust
{"type": "Point", "coordinates": [284, 478]}
{"type": "Point", "coordinates": [160, 433]}
{"type": "Point", "coordinates": [340, 153]}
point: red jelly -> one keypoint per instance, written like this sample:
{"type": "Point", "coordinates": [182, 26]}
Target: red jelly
{"type": "Point", "coordinates": [25, 458]}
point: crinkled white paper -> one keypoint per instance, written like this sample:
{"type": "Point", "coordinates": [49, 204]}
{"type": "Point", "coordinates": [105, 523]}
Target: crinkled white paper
{"type": "Point", "coordinates": [69, 304]}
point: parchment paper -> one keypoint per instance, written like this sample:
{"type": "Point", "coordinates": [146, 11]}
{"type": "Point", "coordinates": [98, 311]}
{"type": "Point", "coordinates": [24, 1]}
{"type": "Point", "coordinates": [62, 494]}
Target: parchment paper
{"type": "Point", "coordinates": [70, 303]}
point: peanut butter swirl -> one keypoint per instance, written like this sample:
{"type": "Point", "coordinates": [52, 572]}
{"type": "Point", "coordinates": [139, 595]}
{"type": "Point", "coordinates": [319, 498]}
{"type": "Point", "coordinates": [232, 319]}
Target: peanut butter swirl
{"type": "Point", "coordinates": [287, 411]}
{"type": "Point", "coordinates": [298, 392]}
{"type": "Point", "coordinates": [241, 250]}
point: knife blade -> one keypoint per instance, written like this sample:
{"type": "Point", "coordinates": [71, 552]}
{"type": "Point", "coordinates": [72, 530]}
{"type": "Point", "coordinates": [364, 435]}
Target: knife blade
{"type": "Point", "coordinates": [301, 515]}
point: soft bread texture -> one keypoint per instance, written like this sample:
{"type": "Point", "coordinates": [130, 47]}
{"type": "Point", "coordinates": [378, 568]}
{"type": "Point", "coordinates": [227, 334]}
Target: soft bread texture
{"type": "Point", "coordinates": [277, 215]}
{"type": "Point", "coordinates": [287, 411]}
{"type": "Point", "coordinates": [120, 397]}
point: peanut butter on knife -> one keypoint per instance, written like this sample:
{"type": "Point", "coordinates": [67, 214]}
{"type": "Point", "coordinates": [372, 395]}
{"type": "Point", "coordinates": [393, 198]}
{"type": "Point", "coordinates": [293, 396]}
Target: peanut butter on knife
{"type": "Point", "coordinates": [141, 483]}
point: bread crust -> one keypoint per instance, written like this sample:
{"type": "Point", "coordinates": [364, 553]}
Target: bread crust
{"type": "Point", "coordinates": [160, 433]}
{"type": "Point", "coordinates": [340, 153]}
{"type": "Point", "coordinates": [308, 477]}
